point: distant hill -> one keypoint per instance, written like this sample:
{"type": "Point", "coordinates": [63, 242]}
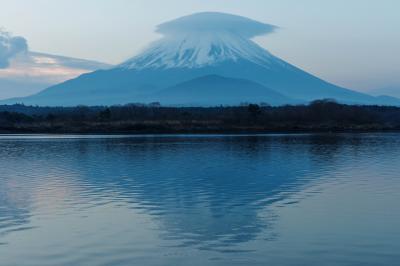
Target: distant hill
{"type": "Point", "coordinates": [214, 90]}
{"type": "Point", "coordinates": [393, 91]}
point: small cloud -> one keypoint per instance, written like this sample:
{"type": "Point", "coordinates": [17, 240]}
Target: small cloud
{"type": "Point", "coordinates": [10, 46]}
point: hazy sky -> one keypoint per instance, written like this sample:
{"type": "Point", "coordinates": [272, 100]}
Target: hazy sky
{"type": "Point", "coordinates": [353, 43]}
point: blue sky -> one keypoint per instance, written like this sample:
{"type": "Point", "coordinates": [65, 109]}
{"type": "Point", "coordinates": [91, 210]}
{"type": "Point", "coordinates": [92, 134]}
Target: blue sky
{"type": "Point", "coordinates": [351, 43]}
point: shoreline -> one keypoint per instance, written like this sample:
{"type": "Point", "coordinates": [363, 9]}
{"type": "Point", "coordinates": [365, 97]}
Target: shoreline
{"type": "Point", "coordinates": [202, 132]}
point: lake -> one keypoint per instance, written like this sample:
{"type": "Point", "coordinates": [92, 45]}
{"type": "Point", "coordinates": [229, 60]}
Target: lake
{"type": "Point", "coordinates": [307, 199]}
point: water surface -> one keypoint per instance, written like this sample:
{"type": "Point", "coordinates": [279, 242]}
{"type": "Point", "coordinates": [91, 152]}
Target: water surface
{"type": "Point", "coordinates": [200, 200]}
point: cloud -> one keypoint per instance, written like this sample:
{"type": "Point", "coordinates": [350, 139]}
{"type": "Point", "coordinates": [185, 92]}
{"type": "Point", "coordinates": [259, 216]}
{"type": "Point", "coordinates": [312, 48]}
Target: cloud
{"type": "Point", "coordinates": [10, 46]}
{"type": "Point", "coordinates": [215, 22]}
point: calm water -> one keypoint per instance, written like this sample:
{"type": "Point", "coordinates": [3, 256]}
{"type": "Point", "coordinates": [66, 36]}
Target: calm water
{"type": "Point", "coordinates": [200, 200]}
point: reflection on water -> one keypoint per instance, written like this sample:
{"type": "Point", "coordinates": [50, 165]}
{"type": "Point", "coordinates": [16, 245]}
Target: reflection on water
{"type": "Point", "coordinates": [203, 200]}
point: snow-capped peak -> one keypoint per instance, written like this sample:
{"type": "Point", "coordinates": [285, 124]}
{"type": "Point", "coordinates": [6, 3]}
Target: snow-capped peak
{"type": "Point", "coordinates": [203, 39]}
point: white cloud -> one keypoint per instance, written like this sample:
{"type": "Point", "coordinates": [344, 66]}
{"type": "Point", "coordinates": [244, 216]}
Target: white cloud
{"type": "Point", "coordinates": [215, 22]}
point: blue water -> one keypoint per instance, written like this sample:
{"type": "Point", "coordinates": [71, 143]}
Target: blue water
{"type": "Point", "coordinates": [200, 200]}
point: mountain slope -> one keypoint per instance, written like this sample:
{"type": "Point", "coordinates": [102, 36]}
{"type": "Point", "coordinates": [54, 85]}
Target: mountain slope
{"type": "Point", "coordinates": [31, 72]}
{"type": "Point", "coordinates": [192, 47]}
{"type": "Point", "coordinates": [120, 86]}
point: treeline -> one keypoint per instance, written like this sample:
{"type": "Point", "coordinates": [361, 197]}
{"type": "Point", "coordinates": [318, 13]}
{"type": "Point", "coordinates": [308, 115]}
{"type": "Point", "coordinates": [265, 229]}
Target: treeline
{"type": "Point", "coordinates": [322, 115]}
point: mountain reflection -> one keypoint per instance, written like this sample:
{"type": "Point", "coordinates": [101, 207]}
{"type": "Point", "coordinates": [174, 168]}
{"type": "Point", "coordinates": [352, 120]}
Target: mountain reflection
{"type": "Point", "coordinates": [207, 191]}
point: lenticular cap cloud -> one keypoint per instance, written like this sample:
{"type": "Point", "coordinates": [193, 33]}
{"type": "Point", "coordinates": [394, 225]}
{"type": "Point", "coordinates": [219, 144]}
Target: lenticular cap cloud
{"type": "Point", "coordinates": [10, 46]}
{"type": "Point", "coordinates": [215, 22]}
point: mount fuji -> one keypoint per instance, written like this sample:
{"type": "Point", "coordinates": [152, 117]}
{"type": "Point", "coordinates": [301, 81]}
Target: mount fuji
{"type": "Point", "coordinates": [204, 59]}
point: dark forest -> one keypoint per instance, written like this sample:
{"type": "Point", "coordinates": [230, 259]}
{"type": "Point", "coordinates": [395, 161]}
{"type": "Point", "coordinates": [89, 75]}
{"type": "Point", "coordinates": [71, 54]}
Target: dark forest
{"type": "Point", "coordinates": [318, 116]}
